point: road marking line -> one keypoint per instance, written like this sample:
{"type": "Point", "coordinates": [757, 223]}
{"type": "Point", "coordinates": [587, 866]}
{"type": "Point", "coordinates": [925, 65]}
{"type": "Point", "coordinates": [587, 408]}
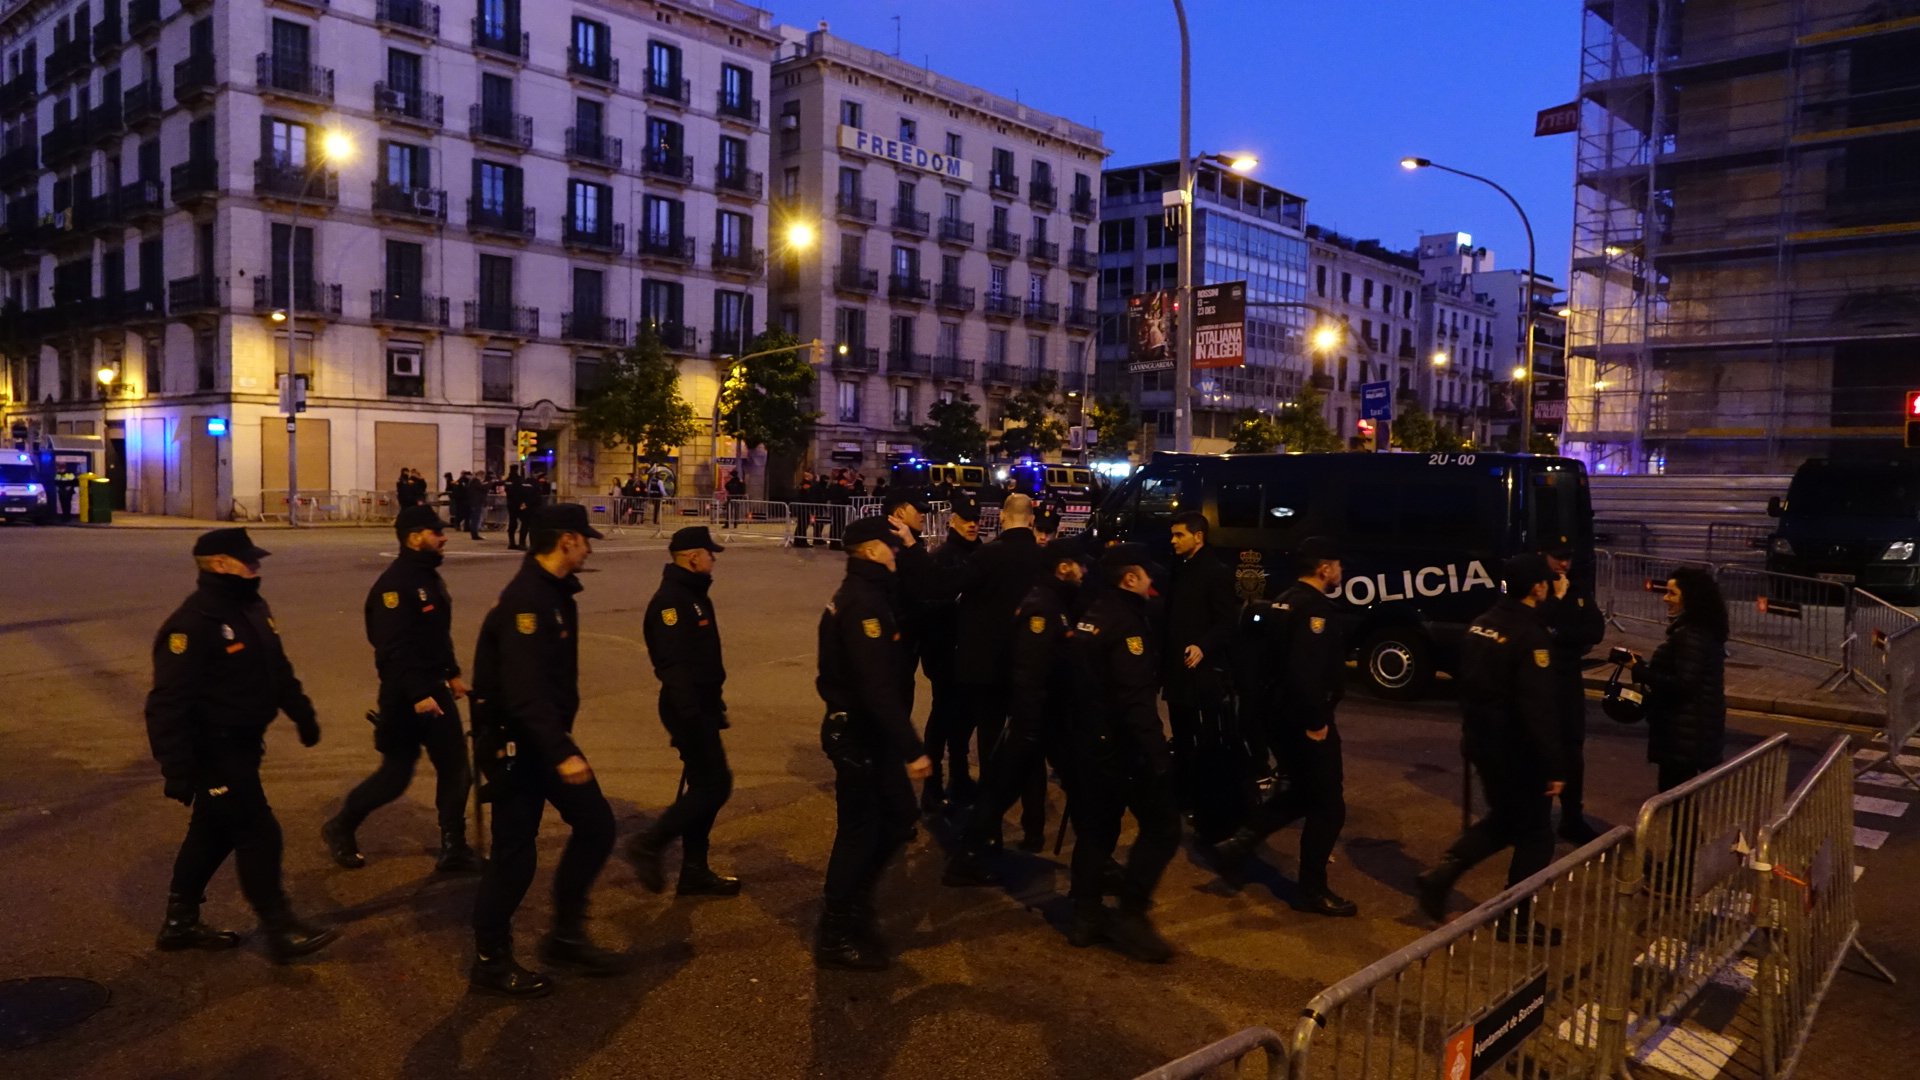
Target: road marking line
{"type": "Point", "coordinates": [1871, 839]}
{"type": "Point", "coordinates": [1867, 804]}
{"type": "Point", "coordinates": [1885, 780]}
{"type": "Point", "coordinates": [1689, 1051]}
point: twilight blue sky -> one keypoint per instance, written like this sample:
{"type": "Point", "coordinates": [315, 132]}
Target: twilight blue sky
{"type": "Point", "coordinates": [1329, 94]}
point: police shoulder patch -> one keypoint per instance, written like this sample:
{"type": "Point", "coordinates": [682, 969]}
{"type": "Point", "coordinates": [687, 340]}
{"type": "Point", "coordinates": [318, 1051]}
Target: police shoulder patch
{"type": "Point", "coordinates": [390, 599]}
{"type": "Point", "coordinates": [870, 627]}
{"type": "Point", "coordinates": [1540, 658]}
{"type": "Point", "coordinates": [525, 622]}
{"type": "Point", "coordinates": [1136, 645]}
{"type": "Point", "coordinates": [1317, 624]}
{"type": "Point", "coordinates": [1037, 624]}
{"type": "Point", "coordinates": [670, 616]}
{"type": "Point", "coordinates": [176, 643]}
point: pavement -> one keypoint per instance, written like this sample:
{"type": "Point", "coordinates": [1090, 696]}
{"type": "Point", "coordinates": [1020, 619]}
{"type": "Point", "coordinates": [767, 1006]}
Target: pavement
{"type": "Point", "coordinates": [984, 986]}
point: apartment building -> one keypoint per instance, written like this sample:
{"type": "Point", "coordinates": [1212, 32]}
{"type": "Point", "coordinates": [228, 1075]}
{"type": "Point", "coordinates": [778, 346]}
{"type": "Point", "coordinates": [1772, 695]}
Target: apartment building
{"type": "Point", "coordinates": [1373, 294]}
{"type": "Point", "coordinates": [953, 249]}
{"type": "Point", "coordinates": [456, 211]}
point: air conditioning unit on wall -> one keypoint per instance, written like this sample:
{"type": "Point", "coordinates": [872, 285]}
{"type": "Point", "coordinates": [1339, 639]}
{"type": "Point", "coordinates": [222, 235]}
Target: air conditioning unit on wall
{"type": "Point", "coordinates": [406, 365]}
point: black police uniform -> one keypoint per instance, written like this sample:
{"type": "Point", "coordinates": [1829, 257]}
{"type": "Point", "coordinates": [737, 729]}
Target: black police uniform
{"type": "Point", "coordinates": [992, 585]}
{"type": "Point", "coordinates": [526, 692]}
{"type": "Point", "coordinates": [1575, 624]}
{"type": "Point", "coordinates": [409, 621]}
{"type": "Point", "coordinates": [939, 628]}
{"type": "Point", "coordinates": [220, 676]}
{"type": "Point", "coordinates": [868, 735]}
{"type": "Point", "coordinates": [683, 641]}
{"type": "Point", "coordinates": [520, 495]}
{"type": "Point", "coordinates": [1201, 610]}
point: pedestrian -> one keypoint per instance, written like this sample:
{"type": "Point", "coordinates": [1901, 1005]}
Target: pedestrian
{"type": "Point", "coordinates": [526, 694]}
{"type": "Point", "coordinates": [1510, 733]}
{"type": "Point", "coordinates": [939, 633]}
{"type": "Point", "coordinates": [66, 485]}
{"type": "Point", "coordinates": [403, 490]}
{"type": "Point", "coordinates": [1576, 625]}
{"type": "Point", "coordinates": [657, 488]}
{"type": "Point", "coordinates": [839, 507]}
{"type": "Point", "coordinates": [802, 507]}
{"type": "Point", "coordinates": [476, 505]}
{"type": "Point", "coordinates": [683, 640]}
{"type": "Point", "coordinates": [220, 676]}
{"type": "Point", "coordinates": [868, 736]}
{"type": "Point", "coordinates": [409, 620]}
{"type": "Point", "coordinates": [1202, 614]}
{"type": "Point", "coordinates": [736, 494]}
{"type": "Point", "coordinates": [1046, 525]}
{"type": "Point", "coordinates": [518, 497]}
{"type": "Point", "coordinates": [1686, 680]}
{"type": "Point", "coordinates": [457, 494]}
{"type": "Point", "coordinates": [1121, 762]}
{"type": "Point", "coordinates": [992, 585]}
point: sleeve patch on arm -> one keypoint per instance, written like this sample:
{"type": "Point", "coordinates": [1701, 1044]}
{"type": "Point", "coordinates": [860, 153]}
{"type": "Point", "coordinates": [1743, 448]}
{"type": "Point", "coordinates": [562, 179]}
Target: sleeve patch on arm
{"type": "Point", "coordinates": [390, 599]}
{"type": "Point", "coordinates": [670, 616]}
{"type": "Point", "coordinates": [176, 643]}
{"type": "Point", "coordinates": [870, 627]}
{"type": "Point", "coordinates": [1136, 645]}
{"type": "Point", "coordinates": [525, 622]}
{"type": "Point", "coordinates": [1540, 658]}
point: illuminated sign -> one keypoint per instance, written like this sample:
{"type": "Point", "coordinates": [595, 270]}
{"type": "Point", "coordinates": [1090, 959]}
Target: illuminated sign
{"type": "Point", "coordinates": [216, 426]}
{"type": "Point", "coordinates": [905, 153]}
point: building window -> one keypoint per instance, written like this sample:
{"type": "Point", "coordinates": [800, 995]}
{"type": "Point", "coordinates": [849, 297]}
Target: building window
{"type": "Point", "coordinates": [586, 378]}
{"type": "Point", "coordinates": [1319, 281]}
{"type": "Point", "coordinates": [953, 144]}
{"type": "Point", "coordinates": [406, 374]}
{"type": "Point", "coordinates": [1037, 353]}
{"type": "Point", "coordinates": [206, 361]}
{"type": "Point", "coordinates": [592, 47]}
{"type": "Point", "coordinates": [902, 406]}
{"type": "Point", "coordinates": [790, 320]}
{"type": "Point", "coordinates": [1346, 288]}
{"type": "Point", "coordinates": [1386, 299]}
{"type": "Point", "coordinates": [909, 130]}
{"type": "Point", "coordinates": [663, 68]}
{"type": "Point", "coordinates": [997, 347]}
{"type": "Point", "coordinates": [849, 182]}
{"type": "Point", "coordinates": [851, 114]}
{"type": "Point", "coordinates": [587, 203]}
{"type": "Point", "coordinates": [790, 183]}
{"type": "Point", "coordinates": [496, 375]}
{"type": "Point", "coordinates": [736, 90]}
{"type": "Point", "coordinates": [407, 166]}
{"type": "Point", "coordinates": [849, 411]}
{"type": "Point", "coordinates": [996, 281]}
{"type": "Point", "coordinates": [286, 143]}
{"type": "Point", "coordinates": [1037, 287]}
{"type": "Point", "coordinates": [730, 318]}
{"type": "Point", "coordinates": [1117, 235]}
{"type": "Point", "coordinates": [662, 305]}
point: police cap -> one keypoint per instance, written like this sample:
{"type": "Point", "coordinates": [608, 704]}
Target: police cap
{"type": "Point", "coordinates": [1065, 549]}
{"type": "Point", "coordinates": [1522, 572]}
{"type": "Point", "coordinates": [1558, 547]}
{"type": "Point", "coordinates": [1317, 549]}
{"type": "Point", "coordinates": [565, 517]}
{"type": "Point", "coordinates": [414, 518]}
{"type": "Point", "coordinates": [692, 538]}
{"type": "Point", "coordinates": [862, 530]}
{"type": "Point", "coordinates": [233, 542]}
{"type": "Point", "coordinates": [966, 510]}
{"type": "Point", "coordinates": [1046, 521]}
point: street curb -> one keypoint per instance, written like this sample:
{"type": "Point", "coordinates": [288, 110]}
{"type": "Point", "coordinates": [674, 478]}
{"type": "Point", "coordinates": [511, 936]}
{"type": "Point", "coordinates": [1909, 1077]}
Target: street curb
{"type": "Point", "coordinates": [1829, 712]}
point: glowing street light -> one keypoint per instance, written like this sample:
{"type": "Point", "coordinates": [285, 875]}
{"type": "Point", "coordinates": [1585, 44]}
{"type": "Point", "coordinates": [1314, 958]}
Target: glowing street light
{"type": "Point", "coordinates": [1326, 337]}
{"type": "Point", "coordinates": [1440, 359]}
{"type": "Point", "coordinates": [106, 375]}
{"type": "Point", "coordinates": [336, 145]}
{"type": "Point", "coordinates": [1243, 163]}
{"type": "Point", "coordinates": [801, 236]}
{"type": "Point", "coordinates": [1520, 373]}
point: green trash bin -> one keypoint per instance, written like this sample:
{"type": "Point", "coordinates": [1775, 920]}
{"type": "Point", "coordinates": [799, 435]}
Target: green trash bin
{"type": "Point", "coordinates": [99, 498]}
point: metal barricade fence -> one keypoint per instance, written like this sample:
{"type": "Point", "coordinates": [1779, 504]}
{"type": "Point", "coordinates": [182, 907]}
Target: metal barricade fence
{"type": "Point", "coordinates": [1798, 615]}
{"type": "Point", "coordinates": [1803, 875]}
{"type": "Point", "coordinates": [374, 507]}
{"type": "Point", "coordinates": [1903, 706]}
{"type": "Point", "coordinates": [1633, 587]}
{"type": "Point", "coordinates": [1228, 1051]}
{"type": "Point", "coordinates": [1462, 1002]}
{"type": "Point", "coordinates": [1691, 844]}
{"type": "Point", "coordinates": [1874, 624]}
{"type": "Point", "coordinates": [1730, 541]}
{"type": "Point", "coordinates": [819, 524]}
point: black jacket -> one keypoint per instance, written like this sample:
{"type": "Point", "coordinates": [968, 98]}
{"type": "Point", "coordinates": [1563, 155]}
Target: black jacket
{"type": "Point", "coordinates": [1304, 657]}
{"type": "Point", "coordinates": [219, 675]}
{"type": "Point", "coordinates": [526, 668]}
{"type": "Point", "coordinates": [992, 585]}
{"type": "Point", "coordinates": [1115, 670]}
{"type": "Point", "coordinates": [683, 641]}
{"type": "Point", "coordinates": [1042, 682]}
{"type": "Point", "coordinates": [1576, 624]}
{"type": "Point", "coordinates": [940, 615]}
{"type": "Point", "coordinates": [1201, 610]}
{"type": "Point", "coordinates": [864, 663]}
{"type": "Point", "coordinates": [1506, 689]}
{"type": "Point", "coordinates": [1686, 681]}
{"type": "Point", "coordinates": [409, 619]}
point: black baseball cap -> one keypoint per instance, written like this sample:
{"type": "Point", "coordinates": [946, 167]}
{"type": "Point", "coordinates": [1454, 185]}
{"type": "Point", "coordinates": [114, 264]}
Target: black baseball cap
{"type": "Point", "coordinates": [1047, 521]}
{"type": "Point", "coordinates": [414, 518]}
{"type": "Point", "coordinates": [565, 517]}
{"type": "Point", "coordinates": [869, 528]}
{"type": "Point", "coordinates": [1063, 549]}
{"type": "Point", "coordinates": [1522, 572]}
{"type": "Point", "coordinates": [1559, 547]}
{"type": "Point", "coordinates": [967, 510]}
{"type": "Point", "coordinates": [1318, 549]}
{"type": "Point", "coordinates": [692, 538]}
{"type": "Point", "coordinates": [232, 542]}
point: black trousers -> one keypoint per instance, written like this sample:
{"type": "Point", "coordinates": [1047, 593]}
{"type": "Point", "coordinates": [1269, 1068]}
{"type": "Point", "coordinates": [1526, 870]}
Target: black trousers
{"type": "Point", "coordinates": [1104, 790]}
{"type": "Point", "coordinates": [1570, 706]}
{"type": "Point", "coordinates": [874, 815]}
{"type": "Point", "coordinates": [516, 527]}
{"type": "Point", "coordinates": [231, 817]}
{"type": "Point", "coordinates": [990, 704]}
{"type": "Point", "coordinates": [709, 783]}
{"type": "Point", "coordinates": [1674, 773]}
{"type": "Point", "coordinates": [1316, 791]}
{"type": "Point", "coordinates": [399, 736]}
{"type": "Point", "coordinates": [1519, 816]}
{"type": "Point", "coordinates": [1194, 697]}
{"type": "Point", "coordinates": [516, 828]}
{"type": "Point", "coordinates": [943, 721]}
{"type": "Point", "coordinates": [1014, 769]}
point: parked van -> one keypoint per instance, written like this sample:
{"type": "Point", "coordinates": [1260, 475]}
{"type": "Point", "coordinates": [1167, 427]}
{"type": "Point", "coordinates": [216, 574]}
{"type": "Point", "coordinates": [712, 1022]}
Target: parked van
{"type": "Point", "coordinates": [921, 475]}
{"type": "Point", "coordinates": [1852, 521]}
{"type": "Point", "coordinates": [1422, 536]}
{"type": "Point", "coordinates": [1074, 486]}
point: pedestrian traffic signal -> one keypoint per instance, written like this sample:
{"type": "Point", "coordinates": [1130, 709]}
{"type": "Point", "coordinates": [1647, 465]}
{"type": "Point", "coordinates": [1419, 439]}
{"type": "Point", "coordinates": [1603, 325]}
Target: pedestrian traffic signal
{"type": "Point", "coordinates": [1913, 418]}
{"type": "Point", "coordinates": [817, 352]}
{"type": "Point", "coordinates": [524, 443]}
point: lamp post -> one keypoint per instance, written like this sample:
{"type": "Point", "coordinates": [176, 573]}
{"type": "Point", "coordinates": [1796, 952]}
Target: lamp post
{"type": "Point", "coordinates": [335, 146]}
{"type": "Point", "coordinates": [1523, 375]}
{"type": "Point", "coordinates": [106, 375]}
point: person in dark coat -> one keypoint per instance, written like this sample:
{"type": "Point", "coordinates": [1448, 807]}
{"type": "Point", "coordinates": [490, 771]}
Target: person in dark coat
{"type": "Point", "coordinates": [839, 499]}
{"type": "Point", "coordinates": [803, 498]}
{"type": "Point", "coordinates": [519, 498]}
{"type": "Point", "coordinates": [992, 585]}
{"type": "Point", "coordinates": [736, 490]}
{"type": "Point", "coordinates": [1201, 616]}
{"type": "Point", "coordinates": [458, 492]}
{"type": "Point", "coordinates": [1576, 624]}
{"type": "Point", "coordinates": [403, 490]}
{"type": "Point", "coordinates": [1686, 680]}
{"type": "Point", "coordinates": [947, 723]}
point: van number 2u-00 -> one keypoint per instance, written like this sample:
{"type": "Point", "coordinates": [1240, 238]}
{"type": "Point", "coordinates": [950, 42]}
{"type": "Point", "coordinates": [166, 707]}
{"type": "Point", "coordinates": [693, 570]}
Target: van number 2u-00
{"type": "Point", "coordinates": [1449, 459]}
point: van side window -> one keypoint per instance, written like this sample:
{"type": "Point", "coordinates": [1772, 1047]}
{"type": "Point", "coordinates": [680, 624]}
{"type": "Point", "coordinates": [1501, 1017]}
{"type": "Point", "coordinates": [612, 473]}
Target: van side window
{"type": "Point", "coordinates": [1161, 498]}
{"type": "Point", "coordinates": [1434, 512]}
{"type": "Point", "coordinates": [1240, 505]}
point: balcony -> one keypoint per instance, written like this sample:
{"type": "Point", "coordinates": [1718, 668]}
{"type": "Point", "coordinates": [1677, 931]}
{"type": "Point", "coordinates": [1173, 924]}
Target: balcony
{"type": "Point", "coordinates": [738, 180]}
{"type": "Point", "coordinates": [952, 367]}
{"type": "Point", "coordinates": [1003, 241]}
{"type": "Point", "coordinates": [1082, 318]}
{"type": "Point", "coordinates": [500, 127]}
{"type": "Point", "coordinates": [905, 287]}
{"type": "Point", "coordinates": [856, 279]}
{"type": "Point", "coordinates": [738, 259]}
{"type": "Point", "coordinates": [141, 200]}
{"type": "Point", "coordinates": [193, 294]}
{"type": "Point", "coordinates": [1082, 205]}
{"type": "Point", "coordinates": [956, 231]}
{"type": "Point", "coordinates": [952, 297]}
{"type": "Point", "coordinates": [137, 305]}
{"type": "Point", "coordinates": [19, 92]}
{"type": "Point", "coordinates": [1005, 374]}
{"type": "Point", "coordinates": [593, 327]}
{"type": "Point", "coordinates": [193, 181]}
{"type": "Point", "coordinates": [412, 309]}
{"type": "Point", "coordinates": [1003, 307]}
{"type": "Point", "coordinates": [667, 246]}
{"type": "Point", "coordinates": [1041, 312]}
{"type": "Point", "coordinates": [413, 108]}
{"type": "Point", "coordinates": [1083, 261]}
{"type": "Point", "coordinates": [598, 68]}
{"type": "Point", "coordinates": [1042, 195]}
{"type": "Point", "coordinates": [907, 362]}
{"type": "Point", "coordinates": [1042, 251]}
{"type": "Point", "coordinates": [64, 141]}
{"type": "Point", "coordinates": [509, 42]}
{"type": "Point", "coordinates": [408, 17]}
{"type": "Point", "coordinates": [193, 79]}
{"type": "Point", "coordinates": [70, 60]}
{"type": "Point", "coordinates": [278, 77]}
{"type": "Point", "coordinates": [311, 299]}
{"type": "Point", "coordinates": [851, 206]}
{"type": "Point", "coordinates": [509, 320]}
{"type": "Point", "coordinates": [603, 151]}
{"type": "Point", "coordinates": [100, 213]}
{"type": "Point", "coordinates": [295, 183]}
{"type": "Point", "coordinates": [21, 162]}
{"type": "Point", "coordinates": [910, 221]}
{"type": "Point", "coordinates": [667, 165]}
{"type": "Point", "coordinates": [666, 85]}
{"type": "Point", "coordinates": [107, 35]}
{"type": "Point", "coordinates": [603, 237]}
{"type": "Point", "coordinates": [427, 205]}
{"type": "Point", "coordinates": [733, 106]}
{"type": "Point", "coordinates": [858, 358]}
{"type": "Point", "coordinates": [141, 105]}
{"type": "Point", "coordinates": [673, 336]}
{"type": "Point", "coordinates": [105, 122]}
{"type": "Point", "coordinates": [1003, 183]}
{"type": "Point", "coordinates": [508, 222]}
{"type": "Point", "coordinates": [143, 19]}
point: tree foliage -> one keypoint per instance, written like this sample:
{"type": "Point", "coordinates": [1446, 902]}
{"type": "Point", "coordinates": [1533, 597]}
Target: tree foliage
{"type": "Point", "coordinates": [1255, 432]}
{"type": "Point", "coordinates": [768, 400]}
{"type": "Point", "coordinates": [1303, 427]}
{"type": "Point", "coordinates": [1113, 420]}
{"type": "Point", "coordinates": [953, 431]}
{"type": "Point", "coordinates": [635, 399]}
{"type": "Point", "coordinates": [1032, 423]}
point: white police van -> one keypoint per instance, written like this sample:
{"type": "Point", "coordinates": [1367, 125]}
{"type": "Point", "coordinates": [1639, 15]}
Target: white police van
{"type": "Point", "coordinates": [1422, 536]}
{"type": "Point", "coordinates": [23, 494]}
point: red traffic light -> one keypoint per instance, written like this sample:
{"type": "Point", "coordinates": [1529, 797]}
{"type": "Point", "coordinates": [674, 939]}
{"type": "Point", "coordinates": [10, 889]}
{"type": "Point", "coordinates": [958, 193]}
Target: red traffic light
{"type": "Point", "coordinates": [1913, 404]}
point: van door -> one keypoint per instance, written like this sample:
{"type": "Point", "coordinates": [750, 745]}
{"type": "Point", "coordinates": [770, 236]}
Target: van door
{"type": "Point", "coordinates": [1159, 493]}
{"type": "Point", "coordinates": [1559, 504]}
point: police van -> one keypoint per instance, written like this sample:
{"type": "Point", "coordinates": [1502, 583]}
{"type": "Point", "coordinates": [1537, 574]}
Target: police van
{"type": "Point", "coordinates": [1422, 536]}
{"type": "Point", "coordinates": [1075, 487]}
{"type": "Point", "coordinates": [919, 474]}
{"type": "Point", "coordinates": [1854, 521]}
{"type": "Point", "coordinates": [23, 492]}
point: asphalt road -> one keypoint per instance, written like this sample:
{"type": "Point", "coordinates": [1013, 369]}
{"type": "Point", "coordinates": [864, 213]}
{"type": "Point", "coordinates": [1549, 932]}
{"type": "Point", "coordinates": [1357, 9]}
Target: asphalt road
{"type": "Point", "coordinates": [985, 985]}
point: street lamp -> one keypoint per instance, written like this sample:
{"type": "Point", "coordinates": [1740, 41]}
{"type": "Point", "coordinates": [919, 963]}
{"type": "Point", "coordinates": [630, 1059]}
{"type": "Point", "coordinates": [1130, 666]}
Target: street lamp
{"type": "Point", "coordinates": [1440, 359]}
{"type": "Point", "coordinates": [335, 146]}
{"type": "Point", "coordinates": [1326, 337]}
{"type": "Point", "coordinates": [1520, 374]}
{"type": "Point", "coordinates": [800, 236]}
{"type": "Point", "coordinates": [1526, 416]}
{"type": "Point", "coordinates": [106, 375]}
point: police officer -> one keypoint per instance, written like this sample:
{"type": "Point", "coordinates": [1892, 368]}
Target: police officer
{"type": "Point", "coordinates": [220, 676]}
{"type": "Point", "coordinates": [1576, 625]}
{"type": "Point", "coordinates": [992, 585]}
{"type": "Point", "coordinates": [1306, 658]}
{"type": "Point", "coordinates": [1121, 762]}
{"type": "Point", "coordinates": [868, 735]}
{"type": "Point", "coordinates": [526, 692]}
{"type": "Point", "coordinates": [1042, 696]}
{"type": "Point", "coordinates": [409, 619]}
{"type": "Point", "coordinates": [1511, 735]}
{"type": "Point", "coordinates": [1046, 526]}
{"type": "Point", "coordinates": [683, 641]}
{"type": "Point", "coordinates": [939, 631]}
{"type": "Point", "coordinates": [1202, 613]}
{"type": "Point", "coordinates": [519, 494]}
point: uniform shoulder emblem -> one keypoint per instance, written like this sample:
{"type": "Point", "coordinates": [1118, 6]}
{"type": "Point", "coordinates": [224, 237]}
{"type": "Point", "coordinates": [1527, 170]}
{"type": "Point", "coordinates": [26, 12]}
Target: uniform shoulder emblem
{"type": "Point", "coordinates": [1582, 602]}
{"type": "Point", "coordinates": [390, 599]}
{"type": "Point", "coordinates": [1136, 645]}
{"type": "Point", "coordinates": [870, 627]}
{"type": "Point", "coordinates": [670, 616]}
{"type": "Point", "coordinates": [525, 622]}
{"type": "Point", "coordinates": [1317, 624]}
{"type": "Point", "coordinates": [1540, 658]}
{"type": "Point", "coordinates": [1037, 624]}
{"type": "Point", "coordinates": [176, 643]}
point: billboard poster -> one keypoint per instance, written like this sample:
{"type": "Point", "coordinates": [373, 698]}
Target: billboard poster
{"type": "Point", "coordinates": [1220, 325]}
{"type": "Point", "coordinates": [1150, 329]}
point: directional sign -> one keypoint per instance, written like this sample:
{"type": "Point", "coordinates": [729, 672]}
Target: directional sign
{"type": "Point", "coordinates": [1376, 401]}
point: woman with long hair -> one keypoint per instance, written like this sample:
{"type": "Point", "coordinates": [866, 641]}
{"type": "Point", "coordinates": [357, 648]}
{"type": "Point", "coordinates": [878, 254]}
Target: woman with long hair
{"type": "Point", "coordinates": [1686, 680]}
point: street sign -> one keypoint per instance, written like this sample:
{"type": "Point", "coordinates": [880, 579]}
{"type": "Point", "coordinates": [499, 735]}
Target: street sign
{"type": "Point", "coordinates": [1376, 401]}
{"type": "Point", "coordinates": [1220, 325]}
{"type": "Point", "coordinates": [216, 426]}
{"type": "Point", "coordinates": [1559, 120]}
{"type": "Point", "coordinates": [1150, 329]}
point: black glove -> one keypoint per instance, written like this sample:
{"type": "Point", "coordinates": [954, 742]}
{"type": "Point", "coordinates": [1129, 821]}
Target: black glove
{"type": "Point", "coordinates": [309, 731]}
{"type": "Point", "coordinates": [181, 790]}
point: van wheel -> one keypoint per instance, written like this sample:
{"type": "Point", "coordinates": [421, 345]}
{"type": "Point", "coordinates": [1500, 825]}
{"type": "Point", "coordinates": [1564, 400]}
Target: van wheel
{"type": "Point", "coordinates": [1398, 663]}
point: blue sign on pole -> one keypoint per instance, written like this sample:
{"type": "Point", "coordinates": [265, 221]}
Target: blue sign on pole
{"type": "Point", "coordinates": [216, 426]}
{"type": "Point", "coordinates": [1376, 401]}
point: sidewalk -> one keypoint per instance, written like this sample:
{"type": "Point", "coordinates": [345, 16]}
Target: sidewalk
{"type": "Point", "coordinates": [160, 521]}
{"type": "Point", "coordinates": [1758, 680]}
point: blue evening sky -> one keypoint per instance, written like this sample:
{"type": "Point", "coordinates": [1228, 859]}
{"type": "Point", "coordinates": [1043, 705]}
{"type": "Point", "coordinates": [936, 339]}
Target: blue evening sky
{"type": "Point", "coordinates": [1329, 94]}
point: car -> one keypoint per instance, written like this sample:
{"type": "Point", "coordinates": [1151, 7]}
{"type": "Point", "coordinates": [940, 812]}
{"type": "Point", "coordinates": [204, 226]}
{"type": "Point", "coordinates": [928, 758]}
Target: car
{"type": "Point", "coordinates": [1851, 521]}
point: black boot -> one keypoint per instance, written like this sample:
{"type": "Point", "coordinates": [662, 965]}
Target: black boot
{"type": "Point", "coordinates": [643, 852]}
{"type": "Point", "coordinates": [1436, 885]}
{"type": "Point", "coordinates": [1317, 899]}
{"type": "Point", "coordinates": [184, 930]}
{"type": "Point", "coordinates": [703, 881]}
{"type": "Point", "coordinates": [456, 857]}
{"type": "Point", "coordinates": [568, 946]}
{"type": "Point", "coordinates": [839, 943]}
{"type": "Point", "coordinates": [1231, 855]}
{"type": "Point", "coordinates": [967, 868]}
{"type": "Point", "coordinates": [1087, 925]}
{"type": "Point", "coordinates": [499, 974]}
{"type": "Point", "coordinates": [341, 845]}
{"type": "Point", "coordinates": [289, 938]}
{"type": "Point", "coordinates": [1113, 878]}
{"type": "Point", "coordinates": [1134, 935]}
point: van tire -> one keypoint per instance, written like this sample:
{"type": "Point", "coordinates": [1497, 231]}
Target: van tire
{"type": "Point", "coordinates": [1397, 663]}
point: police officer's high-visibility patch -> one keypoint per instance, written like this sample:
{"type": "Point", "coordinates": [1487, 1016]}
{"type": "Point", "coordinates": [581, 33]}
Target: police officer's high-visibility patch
{"type": "Point", "coordinates": [1037, 624]}
{"type": "Point", "coordinates": [1540, 658]}
{"type": "Point", "coordinates": [1136, 645]}
{"type": "Point", "coordinates": [1317, 624]}
{"type": "Point", "coordinates": [390, 599]}
{"type": "Point", "coordinates": [670, 616]}
{"type": "Point", "coordinates": [176, 643]}
{"type": "Point", "coordinates": [871, 627]}
{"type": "Point", "coordinates": [524, 622]}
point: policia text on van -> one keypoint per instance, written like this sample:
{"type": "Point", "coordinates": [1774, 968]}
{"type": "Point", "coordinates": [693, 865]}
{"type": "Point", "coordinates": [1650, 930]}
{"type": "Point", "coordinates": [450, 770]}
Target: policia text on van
{"type": "Point", "coordinates": [1422, 536]}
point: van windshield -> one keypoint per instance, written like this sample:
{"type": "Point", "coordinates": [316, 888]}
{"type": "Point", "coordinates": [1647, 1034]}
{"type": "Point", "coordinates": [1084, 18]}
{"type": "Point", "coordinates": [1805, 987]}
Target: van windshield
{"type": "Point", "coordinates": [1834, 490]}
{"type": "Point", "coordinates": [16, 474]}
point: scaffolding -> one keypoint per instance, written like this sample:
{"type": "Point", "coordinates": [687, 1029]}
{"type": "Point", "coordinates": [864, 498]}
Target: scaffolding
{"type": "Point", "coordinates": [1746, 252]}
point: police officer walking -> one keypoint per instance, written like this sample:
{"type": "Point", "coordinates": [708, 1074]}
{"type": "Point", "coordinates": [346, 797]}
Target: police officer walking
{"type": "Point", "coordinates": [939, 632]}
{"type": "Point", "coordinates": [996, 579]}
{"type": "Point", "coordinates": [220, 676]}
{"type": "Point", "coordinates": [683, 641]}
{"type": "Point", "coordinates": [519, 497]}
{"type": "Point", "coordinates": [1202, 613]}
{"type": "Point", "coordinates": [1576, 625]}
{"type": "Point", "coordinates": [868, 735]}
{"type": "Point", "coordinates": [409, 619]}
{"type": "Point", "coordinates": [1511, 735]}
{"type": "Point", "coordinates": [526, 693]}
{"type": "Point", "coordinates": [1306, 656]}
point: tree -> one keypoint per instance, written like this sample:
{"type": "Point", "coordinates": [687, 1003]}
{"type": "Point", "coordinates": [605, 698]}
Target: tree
{"type": "Point", "coordinates": [954, 432]}
{"type": "Point", "coordinates": [635, 399]}
{"type": "Point", "coordinates": [1255, 432]}
{"type": "Point", "coordinates": [1032, 423]}
{"type": "Point", "coordinates": [1113, 420]}
{"type": "Point", "coordinates": [768, 400]}
{"type": "Point", "coordinates": [1413, 429]}
{"type": "Point", "coordinates": [1303, 428]}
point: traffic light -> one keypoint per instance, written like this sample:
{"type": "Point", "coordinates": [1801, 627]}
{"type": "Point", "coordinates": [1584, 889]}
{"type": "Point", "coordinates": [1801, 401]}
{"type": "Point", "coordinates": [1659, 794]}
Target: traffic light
{"type": "Point", "coordinates": [817, 352]}
{"type": "Point", "coordinates": [1913, 418]}
{"type": "Point", "coordinates": [524, 443]}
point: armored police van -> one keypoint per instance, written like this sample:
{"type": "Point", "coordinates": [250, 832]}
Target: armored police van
{"type": "Point", "coordinates": [1854, 521]}
{"type": "Point", "coordinates": [1422, 535]}
{"type": "Point", "coordinates": [23, 489]}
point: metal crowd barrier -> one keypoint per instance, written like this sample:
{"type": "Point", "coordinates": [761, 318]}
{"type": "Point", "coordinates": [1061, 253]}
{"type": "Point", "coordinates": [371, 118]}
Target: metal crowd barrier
{"type": "Point", "coordinates": [1798, 615]}
{"type": "Point", "coordinates": [1803, 867]}
{"type": "Point", "coordinates": [1228, 1051]}
{"type": "Point", "coordinates": [1873, 626]}
{"type": "Point", "coordinates": [1729, 541]}
{"type": "Point", "coordinates": [373, 506]}
{"type": "Point", "coordinates": [1903, 706]}
{"type": "Point", "coordinates": [1633, 587]}
{"type": "Point", "coordinates": [1462, 1002]}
